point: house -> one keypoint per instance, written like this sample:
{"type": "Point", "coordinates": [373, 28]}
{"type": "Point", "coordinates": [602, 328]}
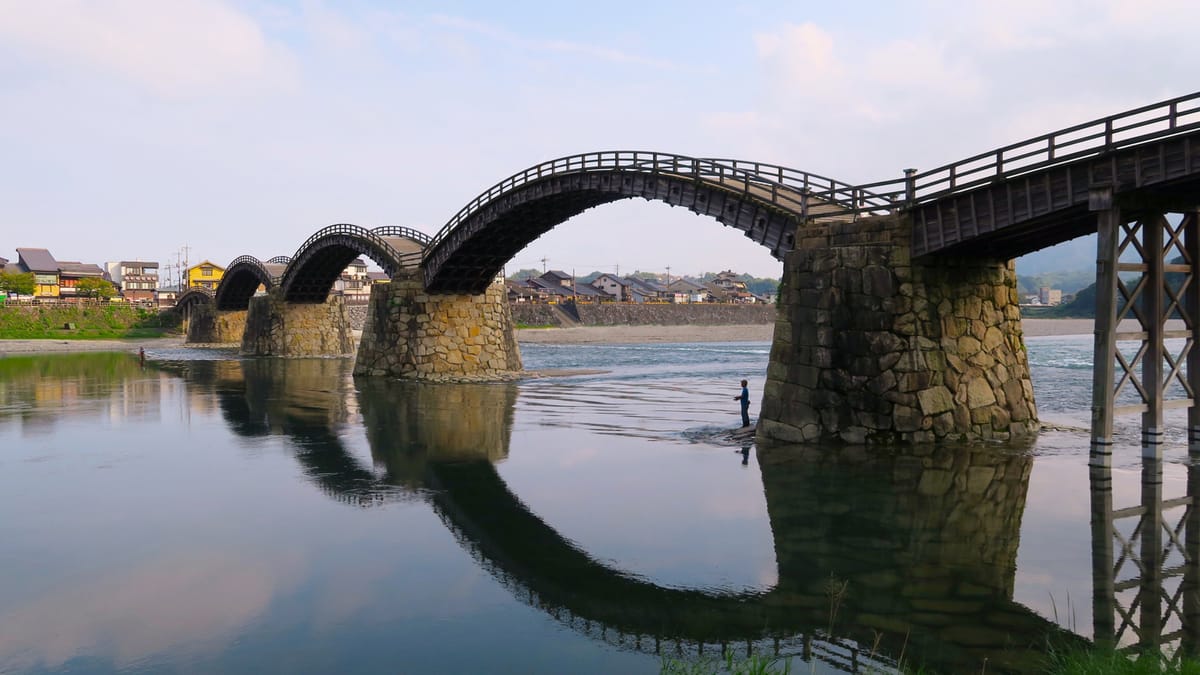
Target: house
{"type": "Point", "coordinates": [548, 289]}
{"type": "Point", "coordinates": [612, 285]}
{"type": "Point", "coordinates": [520, 292]}
{"type": "Point", "coordinates": [690, 291]}
{"type": "Point", "coordinates": [204, 275]}
{"type": "Point", "coordinates": [729, 282]}
{"type": "Point", "coordinates": [72, 272]}
{"type": "Point", "coordinates": [378, 277]}
{"type": "Point", "coordinates": [353, 283]}
{"type": "Point", "coordinates": [588, 293]}
{"type": "Point", "coordinates": [137, 280]}
{"type": "Point", "coordinates": [44, 268]}
{"type": "Point", "coordinates": [557, 278]}
{"type": "Point", "coordinates": [647, 290]}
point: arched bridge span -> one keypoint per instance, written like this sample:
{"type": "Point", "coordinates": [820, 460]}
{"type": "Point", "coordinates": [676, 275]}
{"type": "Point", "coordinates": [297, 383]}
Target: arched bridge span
{"type": "Point", "coordinates": [765, 201]}
{"type": "Point", "coordinates": [241, 280]}
{"type": "Point", "coordinates": [319, 261]}
{"type": "Point", "coordinates": [192, 298]}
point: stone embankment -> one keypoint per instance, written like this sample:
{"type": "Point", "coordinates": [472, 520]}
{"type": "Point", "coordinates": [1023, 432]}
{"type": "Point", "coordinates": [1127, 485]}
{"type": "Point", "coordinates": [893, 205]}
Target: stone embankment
{"type": "Point", "coordinates": [704, 314]}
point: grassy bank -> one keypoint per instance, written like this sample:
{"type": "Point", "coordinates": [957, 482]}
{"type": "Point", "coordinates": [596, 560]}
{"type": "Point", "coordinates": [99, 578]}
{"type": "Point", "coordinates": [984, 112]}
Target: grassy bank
{"type": "Point", "coordinates": [90, 321]}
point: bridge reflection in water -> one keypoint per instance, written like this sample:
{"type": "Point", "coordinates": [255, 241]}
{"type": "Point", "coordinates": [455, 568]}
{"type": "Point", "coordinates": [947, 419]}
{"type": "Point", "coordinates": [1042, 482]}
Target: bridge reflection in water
{"type": "Point", "coordinates": [881, 554]}
{"type": "Point", "coordinates": [1146, 567]}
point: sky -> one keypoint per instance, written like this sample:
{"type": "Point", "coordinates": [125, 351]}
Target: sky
{"type": "Point", "coordinates": [131, 129]}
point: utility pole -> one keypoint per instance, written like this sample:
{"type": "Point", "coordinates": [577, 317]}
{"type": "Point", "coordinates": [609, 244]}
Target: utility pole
{"type": "Point", "coordinates": [543, 264]}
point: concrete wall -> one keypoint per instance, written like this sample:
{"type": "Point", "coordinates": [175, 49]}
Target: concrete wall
{"type": "Point", "coordinates": [647, 314]}
{"type": "Point", "coordinates": [417, 335]}
{"type": "Point", "coordinates": [871, 346]}
{"type": "Point", "coordinates": [275, 327]}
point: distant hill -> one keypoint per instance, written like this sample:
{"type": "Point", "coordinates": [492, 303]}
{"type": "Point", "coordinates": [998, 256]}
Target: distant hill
{"type": "Point", "coordinates": [1070, 256]}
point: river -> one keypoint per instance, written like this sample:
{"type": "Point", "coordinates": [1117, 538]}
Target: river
{"type": "Point", "coordinates": [205, 513]}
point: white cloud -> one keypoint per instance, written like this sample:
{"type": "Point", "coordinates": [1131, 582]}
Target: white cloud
{"type": "Point", "coordinates": [178, 49]}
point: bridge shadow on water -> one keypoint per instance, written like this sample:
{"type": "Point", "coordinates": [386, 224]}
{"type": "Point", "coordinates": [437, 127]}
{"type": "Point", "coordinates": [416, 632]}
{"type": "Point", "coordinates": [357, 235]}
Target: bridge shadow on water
{"type": "Point", "coordinates": [883, 555]}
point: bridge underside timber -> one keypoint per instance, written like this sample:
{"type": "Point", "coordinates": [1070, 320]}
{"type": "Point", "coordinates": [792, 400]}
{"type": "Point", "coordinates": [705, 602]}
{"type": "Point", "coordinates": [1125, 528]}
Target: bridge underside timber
{"type": "Point", "coordinates": [471, 256]}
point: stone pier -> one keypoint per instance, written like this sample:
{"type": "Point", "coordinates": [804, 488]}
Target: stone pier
{"type": "Point", "coordinates": [275, 327]}
{"type": "Point", "coordinates": [413, 334]}
{"type": "Point", "coordinates": [871, 346]}
{"type": "Point", "coordinates": [206, 324]}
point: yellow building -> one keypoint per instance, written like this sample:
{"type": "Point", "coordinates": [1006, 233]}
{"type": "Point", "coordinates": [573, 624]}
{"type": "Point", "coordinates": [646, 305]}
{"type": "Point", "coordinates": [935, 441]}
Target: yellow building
{"type": "Point", "coordinates": [204, 275]}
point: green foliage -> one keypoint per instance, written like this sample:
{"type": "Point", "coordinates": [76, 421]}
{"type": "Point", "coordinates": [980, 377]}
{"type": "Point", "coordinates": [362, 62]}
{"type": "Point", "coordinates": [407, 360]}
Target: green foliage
{"type": "Point", "coordinates": [761, 286]}
{"type": "Point", "coordinates": [1108, 662]}
{"type": "Point", "coordinates": [1067, 282]}
{"type": "Point", "coordinates": [19, 283]}
{"type": "Point", "coordinates": [754, 664]}
{"type": "Point", "coordinates": [92, 287]}
{"type": "Point", "coordinates": [102, 321]}
{"type": "Point", "coordinates": [523, 274]}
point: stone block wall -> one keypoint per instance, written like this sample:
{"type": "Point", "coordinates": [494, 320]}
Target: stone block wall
{"type": "Point", "coordinates": [412, 334]}
{"type": "Point", "coordinates": [872, 346]}
{"type": "Point", "coordinates": [208, 325]}
{"type": "Point", "coordinates": [275, 327]}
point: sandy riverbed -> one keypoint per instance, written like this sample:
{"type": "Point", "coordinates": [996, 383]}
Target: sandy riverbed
{"type": "Point", "coordinates": [580, 335]}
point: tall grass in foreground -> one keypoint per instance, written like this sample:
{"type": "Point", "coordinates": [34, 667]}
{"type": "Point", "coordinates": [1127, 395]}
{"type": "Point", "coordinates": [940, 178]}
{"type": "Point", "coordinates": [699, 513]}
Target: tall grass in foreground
{"type": "Point", "coordinates": [1068, 662]}
{"type": "Point", "coordinates": [751, 665]}
{"type": "Point", "coordinates": [1107, 662]}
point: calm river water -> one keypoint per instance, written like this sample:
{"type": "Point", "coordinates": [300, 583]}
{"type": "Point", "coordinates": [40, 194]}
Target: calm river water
{"type": "Point", "coordinates": [211, 514]}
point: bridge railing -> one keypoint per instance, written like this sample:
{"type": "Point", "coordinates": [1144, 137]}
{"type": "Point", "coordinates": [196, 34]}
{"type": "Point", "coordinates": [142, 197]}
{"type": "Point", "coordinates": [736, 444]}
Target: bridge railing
{"type": "Point", "coordinates": [403, 232]}
{"type": "Point", "coordinates": [788, 188]}
{"type": "Point", "coordinates": [279, 260]}
{"type": "Point", "coordinates": [1123, 130]}
{"type": "Point", "coordinates": [255, 262]}
{"type": "Point", "coordinates": [402, 259]}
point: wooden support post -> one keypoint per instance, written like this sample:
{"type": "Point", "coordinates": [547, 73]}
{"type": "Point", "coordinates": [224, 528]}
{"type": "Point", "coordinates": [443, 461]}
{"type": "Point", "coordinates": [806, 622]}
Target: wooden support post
{"type": "Point", "coordinates": [1154, 323]}
{"type": "Point", "coordinates": [1190, 642]}
{"type": "Point", "coordinates": [1107, 245]}
{"type": "Point", "coordinates": [1191, 316]}
{"type": "Point", "coordinates": [1104, 594]}
{"type": "Point", "coordinates": [1150, 554]}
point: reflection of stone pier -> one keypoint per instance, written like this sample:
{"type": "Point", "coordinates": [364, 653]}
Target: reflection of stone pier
{"type": "Point", "coordinates": [919, 549]}
{"type": "Point", "coordinates": [414, 334]}
{"type": "Point", "coordinates": [275, 327]}
{"type": "Point", "coordinates": [410, 424]}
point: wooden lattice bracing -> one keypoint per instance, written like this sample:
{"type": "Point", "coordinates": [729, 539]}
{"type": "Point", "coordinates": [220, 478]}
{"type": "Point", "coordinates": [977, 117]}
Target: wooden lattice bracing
{"type": "Point", "coordinates": [1145, 568]}
{"type": "Point", "coordinates": [1146, 275]}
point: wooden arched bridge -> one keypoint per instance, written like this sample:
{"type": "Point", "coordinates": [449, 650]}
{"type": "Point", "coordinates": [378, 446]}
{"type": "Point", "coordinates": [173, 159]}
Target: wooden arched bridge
{"type": "Point", "coordinates": [875, 273]}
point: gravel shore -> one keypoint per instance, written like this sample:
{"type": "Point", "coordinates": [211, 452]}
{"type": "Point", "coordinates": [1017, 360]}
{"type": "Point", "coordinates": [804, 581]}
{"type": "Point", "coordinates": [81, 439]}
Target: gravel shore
{"type": "Point", "coordinates": [579, 335]}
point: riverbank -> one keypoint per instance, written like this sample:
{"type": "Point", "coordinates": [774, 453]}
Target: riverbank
{"type": "Point", "coordinates": [577, 335]}
{"type": "Point", "coordinates": [12, 347]}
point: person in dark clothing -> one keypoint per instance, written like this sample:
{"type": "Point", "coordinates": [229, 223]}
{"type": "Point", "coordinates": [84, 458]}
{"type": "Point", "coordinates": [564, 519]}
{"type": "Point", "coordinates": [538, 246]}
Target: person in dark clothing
{"type": "Point", "coordinates": [745, 399]}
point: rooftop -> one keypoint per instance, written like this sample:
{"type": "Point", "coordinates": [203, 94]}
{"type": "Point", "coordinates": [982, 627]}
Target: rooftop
{"type": "Point", "coordinates": [37, 260]}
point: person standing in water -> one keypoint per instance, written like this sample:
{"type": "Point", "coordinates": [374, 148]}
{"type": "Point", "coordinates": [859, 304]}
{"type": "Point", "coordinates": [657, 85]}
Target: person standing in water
{"type": "Point", "coordinates": [745, 399]}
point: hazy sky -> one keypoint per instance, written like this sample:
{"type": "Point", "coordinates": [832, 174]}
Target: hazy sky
{"type": "Point", "coordinates": [130, 128]}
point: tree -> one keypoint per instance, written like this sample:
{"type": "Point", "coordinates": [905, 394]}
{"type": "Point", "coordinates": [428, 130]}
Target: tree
{"type": "Point", "coordinates": [17, 283]}
{"type": "Point", "coordinates": [523, 274]}
{"type": "Point", "coordinates": [92, 287]}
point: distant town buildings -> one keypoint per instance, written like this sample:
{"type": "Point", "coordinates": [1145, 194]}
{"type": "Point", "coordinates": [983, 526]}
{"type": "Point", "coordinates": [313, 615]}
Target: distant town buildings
{"type": "Point", "coordinates": [1046, 297]}
{"type": "Point", "coordinates": [556, 286]}
{"type": "Point", "coordinates": [137, 280]}
{"type": "Point", "coordinates": [204, 275]}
